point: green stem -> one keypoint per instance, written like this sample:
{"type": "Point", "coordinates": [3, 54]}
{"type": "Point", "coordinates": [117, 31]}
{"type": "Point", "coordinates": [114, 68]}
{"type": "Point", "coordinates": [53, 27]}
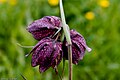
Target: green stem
{"type": "Point", "coordinates": [67, 35]}
{"type": "Point", "coordinates": [24, 46]}
{"type": "Point", "coordinates": [65, 26]}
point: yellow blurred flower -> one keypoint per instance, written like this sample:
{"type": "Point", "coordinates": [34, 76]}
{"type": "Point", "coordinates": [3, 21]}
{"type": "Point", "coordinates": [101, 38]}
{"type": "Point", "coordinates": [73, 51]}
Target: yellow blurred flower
{"type": "Point", "coordinates": [2, 1]}
{"type": "Point", "coordinates": [13, 2]}
{"type": "Point", "coordinates": [90, 15]}
{"type": "Point", "coordinates": [53, 2]}
{"type": "Point", "coordinates": [104, 3]}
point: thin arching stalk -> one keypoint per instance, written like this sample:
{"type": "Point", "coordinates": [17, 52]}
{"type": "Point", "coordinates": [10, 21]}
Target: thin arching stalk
{"type": "Point", "coordinates": [67, 35]}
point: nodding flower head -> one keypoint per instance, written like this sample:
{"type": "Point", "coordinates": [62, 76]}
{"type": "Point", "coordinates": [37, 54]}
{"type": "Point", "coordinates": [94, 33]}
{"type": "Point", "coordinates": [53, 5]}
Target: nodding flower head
{"type": "Point", "coordinates": [78, 47]}
{"type": "Point", "coordinates": [47, 53]}
{"type": "Point", "coordinates": [44, 27]}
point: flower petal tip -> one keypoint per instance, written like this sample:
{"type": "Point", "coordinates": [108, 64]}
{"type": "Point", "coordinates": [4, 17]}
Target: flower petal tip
{"type": "Point", "coordinates": [88, 49]}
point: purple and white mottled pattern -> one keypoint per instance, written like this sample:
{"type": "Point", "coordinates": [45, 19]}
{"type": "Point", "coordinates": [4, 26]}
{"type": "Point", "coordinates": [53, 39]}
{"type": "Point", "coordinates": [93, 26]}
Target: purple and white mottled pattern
{"type": "Point", "coordinates": [44, 27]}
{"type": "Point", "coordinates": [75, 36]}
{"type": "Point", "coordinates": [78, 47]}
{"type": "Point", "coordinates": [47, 53]}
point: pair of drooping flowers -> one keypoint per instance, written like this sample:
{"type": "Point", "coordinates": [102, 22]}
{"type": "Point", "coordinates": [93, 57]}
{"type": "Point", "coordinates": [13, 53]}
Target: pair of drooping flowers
{"type": "Point", "coordinates": [50, 50]}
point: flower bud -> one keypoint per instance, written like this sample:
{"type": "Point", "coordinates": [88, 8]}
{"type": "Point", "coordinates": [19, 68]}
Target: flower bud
{"type": "Point", "coordinates": [47, 53]}
{"type": "Point", "coordinates": [44, 27]}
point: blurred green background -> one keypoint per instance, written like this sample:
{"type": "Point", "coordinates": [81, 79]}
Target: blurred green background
{"type": "Point", "coordinates": [97, 20]}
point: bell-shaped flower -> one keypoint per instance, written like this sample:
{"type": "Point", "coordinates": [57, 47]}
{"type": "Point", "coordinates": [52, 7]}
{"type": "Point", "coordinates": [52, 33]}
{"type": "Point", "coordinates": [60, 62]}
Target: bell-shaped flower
{"type": "Point", "coordinates": [47, 53]}
{"type": "Point", "coordinates": [44, 27]}
{"type": "Point", "coordinates": [78, 47]}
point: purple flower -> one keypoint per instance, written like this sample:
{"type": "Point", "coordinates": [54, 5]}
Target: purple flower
{"type": "Point", "coordinates": [44, 27]}
{"type": "Point", "coordinates": [47, 53]}
{"type": "Point", "coordinates": [78, 47]}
